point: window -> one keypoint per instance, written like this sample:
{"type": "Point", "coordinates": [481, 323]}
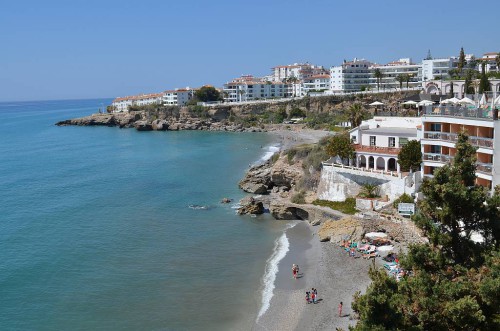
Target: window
{"type": "Point", "coordinates": [353, 139]}
{"type": "Point", "coordinates": [436, 127]}
{"type": "Point", "coordinates": [392, 142]}
{"type": "Point", "coordinates": [435, 149]}
{"type": "Point", "coordinates": [373, 140]}
{"type": "Point", "coordinates": [403, 141]}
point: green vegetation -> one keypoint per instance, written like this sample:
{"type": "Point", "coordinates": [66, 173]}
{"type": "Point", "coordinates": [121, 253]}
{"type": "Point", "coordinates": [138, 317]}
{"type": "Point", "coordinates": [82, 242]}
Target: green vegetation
{"type": "Point", "coordinates": [454, 282]}
{"type": "Point", "coordinates": [296, 112]}
{"type": "Point", "coordinates": [347, 207]}
{"type": "Point", "coordinates": [207, 94]}
{"type": "Point", "coordinates": [357, 114]}
{"type": "Point", "coordinates": [378, 75]}
{"type": "Point", "coordinates": [484, 83]}
{"type": "Point", "coordinates": [340, 145]}
{"type": "Point", "coordinates": [299, 198]}
{"type": "Point", "coordinates": [369, 191]}
{"type": "Point", "coordinates": [403, 198]}
{"type": "Point", "coordinates": [275, 157]}
{"type": "Point", "coordinates": [410, 156]}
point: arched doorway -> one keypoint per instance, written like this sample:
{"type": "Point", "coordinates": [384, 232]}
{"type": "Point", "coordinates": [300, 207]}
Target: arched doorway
{"type": "Point", "coordinates": [362, 161]}
{"type": "Point", "coordinates": [392, 166]}
{"type": "Point", "coordinates": [380, 163]}
{"type": "Point", "coordinates": [371, 162]}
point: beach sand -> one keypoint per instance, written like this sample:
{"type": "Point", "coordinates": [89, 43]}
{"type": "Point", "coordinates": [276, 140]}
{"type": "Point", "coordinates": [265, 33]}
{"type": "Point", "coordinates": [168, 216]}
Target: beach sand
{"type": "Point", "coordinates": [297, 135]}
{"type": "Point", "coordinates": [324, 266]}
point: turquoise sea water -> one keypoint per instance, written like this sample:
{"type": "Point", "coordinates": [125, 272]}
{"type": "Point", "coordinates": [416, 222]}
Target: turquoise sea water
{"type": "Point", "coordinates": [96, 232]}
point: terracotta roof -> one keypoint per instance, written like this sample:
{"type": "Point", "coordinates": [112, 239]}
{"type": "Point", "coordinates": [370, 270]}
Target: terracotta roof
{"type": "Point", "coordinates": [139, 97]}
{"type": "Point", "coordinates": [318, 76]}
{"type": "Point", "coordinates": [491, 53]}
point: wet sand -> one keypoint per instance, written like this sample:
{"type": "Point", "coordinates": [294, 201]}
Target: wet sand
{"type": "Point", "coordinates": [324, 266]}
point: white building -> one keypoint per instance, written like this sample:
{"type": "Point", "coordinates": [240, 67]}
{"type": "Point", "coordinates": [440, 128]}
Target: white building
{"type": "Point", "coordinates": [316, 83]}
{"type": "Point", "coordinates": [178, 97]}
{"type": "Point", "coordinates": [443, 87]}
{"type": "Point", "coordinates": [490, 62]}
{"type": "Point", "coordinates": [299, 71]}
{"type": "Point", "coordinates": [437, 68]}
{"type": "Point", "coordinates": [378, 141]}
{"type": "Point", "coordinates": [248, 88]}
{"type": "Point", "coordinates": [350, 76]}
{"type": "Point", "coordinates": [392, 70]}
{"type": "Point", "coordinates": [122, 104]}
{"type": "Point", "coordinates": [441, 125]}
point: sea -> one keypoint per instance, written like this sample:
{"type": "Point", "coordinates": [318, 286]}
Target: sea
{"type": "Point", "coordinates": [104, 228]}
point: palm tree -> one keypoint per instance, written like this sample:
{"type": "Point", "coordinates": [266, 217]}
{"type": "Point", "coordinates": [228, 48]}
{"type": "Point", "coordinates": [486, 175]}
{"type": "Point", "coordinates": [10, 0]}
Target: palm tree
{"type": "Point", "coordinates": [400, 79]}
{"type": "Point", "coordinates": [241, 93]}
{"type": "Point", "coordinates": [356, 114]}
{"type": "Point", "coordinates": [378, 75]}
{"type": "Point", "coordinates": [407, 79]}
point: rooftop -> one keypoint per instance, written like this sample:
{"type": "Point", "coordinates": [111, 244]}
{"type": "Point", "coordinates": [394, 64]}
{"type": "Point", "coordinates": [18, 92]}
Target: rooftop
{"type": "Point", "coordinates": [400, 132]}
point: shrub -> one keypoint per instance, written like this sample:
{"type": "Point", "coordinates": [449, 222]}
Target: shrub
{"type": "Point", "coordinates": [347, 207]}
{"type": "Point", "coordinates": [275, 158]}
{"type": "Point", "coordinates": [299, 198]}
{"type": "Point", "coordinates": [404, 198]}
{"type": "Point", "coordinates": [369, 190]}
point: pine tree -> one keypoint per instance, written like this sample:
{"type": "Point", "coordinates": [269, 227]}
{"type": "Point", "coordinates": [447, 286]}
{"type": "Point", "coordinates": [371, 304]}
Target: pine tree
{"type": "Point", "coordinates": [461, 60]}
{"type": "Point", "coordinates": [484, 83]}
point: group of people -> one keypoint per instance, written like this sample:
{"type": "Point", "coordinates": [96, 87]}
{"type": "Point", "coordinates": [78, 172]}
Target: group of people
{"type": "Point", "coordinates": [312, 296]}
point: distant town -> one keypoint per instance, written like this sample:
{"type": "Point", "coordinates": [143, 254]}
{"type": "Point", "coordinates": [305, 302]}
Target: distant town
{"type": "Point", "coordinates": [456, 74]}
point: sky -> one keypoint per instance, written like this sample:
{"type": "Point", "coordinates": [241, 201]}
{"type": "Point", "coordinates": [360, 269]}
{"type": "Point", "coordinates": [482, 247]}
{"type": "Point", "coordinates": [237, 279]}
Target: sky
{"type": "Point", "coordinates": [91, 49]}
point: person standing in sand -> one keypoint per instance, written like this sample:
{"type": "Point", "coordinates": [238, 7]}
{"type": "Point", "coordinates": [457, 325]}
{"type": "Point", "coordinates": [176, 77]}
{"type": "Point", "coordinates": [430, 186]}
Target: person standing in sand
{"type": "Point", "coordinates": [294, 271]}
{"type": "Point", "coordinates": [340, 309]}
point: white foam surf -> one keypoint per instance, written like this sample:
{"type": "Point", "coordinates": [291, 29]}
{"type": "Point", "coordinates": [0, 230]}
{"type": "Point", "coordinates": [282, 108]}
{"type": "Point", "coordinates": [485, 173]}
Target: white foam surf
{"type": "Point", "coordinates": [270, 150]}
{"type": "Point", "coordinates": [281, 247]}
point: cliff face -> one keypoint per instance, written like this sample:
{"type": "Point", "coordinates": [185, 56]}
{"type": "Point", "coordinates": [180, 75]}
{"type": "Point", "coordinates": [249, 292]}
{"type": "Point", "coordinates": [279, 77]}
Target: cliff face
{"type": "Point", "coordinates": [224, 117]}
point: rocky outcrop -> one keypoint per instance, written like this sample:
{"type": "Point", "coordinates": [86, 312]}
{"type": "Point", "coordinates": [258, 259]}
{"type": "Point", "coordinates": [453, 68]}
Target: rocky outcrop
{"type": "Point", "coordinates": [286, 211]}
{"type": "Point", "coordinates": [285, 175]}
{"type": "Point", "coordinates": [257, 180]}
{"type": "Point", "coordinates": [347, 228]}
{"type": "Point", "coordinates": [250, 206]}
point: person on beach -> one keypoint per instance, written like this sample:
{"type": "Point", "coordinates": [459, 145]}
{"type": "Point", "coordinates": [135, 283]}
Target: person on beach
{"type": "Point", "coordinates": [340, 309]}
{"type": "Point", "coordinates": [294, 271]}
{"type": "Point", "coordinates": [313, 297]}
{"type": "Point", "coordinates": [308, 298]}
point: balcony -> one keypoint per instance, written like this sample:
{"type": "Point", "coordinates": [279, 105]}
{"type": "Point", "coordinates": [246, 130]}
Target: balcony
{"type": "Point", "coordinates": [453, 137]}
{"type": "Point", "coordinates": [459, 111]}
{"type": "Point", "coordinates": [485, 168]}
{"type": "Point", "coordinates": [377, 150]}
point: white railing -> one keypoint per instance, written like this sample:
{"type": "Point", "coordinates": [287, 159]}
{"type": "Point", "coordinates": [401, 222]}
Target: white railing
{"type": "Point", "coordinates": [370, 170]}
{"type": "Point", "coordinates": [453, 137]}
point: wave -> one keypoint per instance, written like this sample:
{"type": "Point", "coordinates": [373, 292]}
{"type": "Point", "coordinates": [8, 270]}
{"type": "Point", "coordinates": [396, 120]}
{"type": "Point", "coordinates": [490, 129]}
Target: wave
{"type": "Point", "coordinates": [269, 153]}
{"type": "Point", "coordinates": [200, 207]}
{"type": "Point", "coordinates": [281, 247]}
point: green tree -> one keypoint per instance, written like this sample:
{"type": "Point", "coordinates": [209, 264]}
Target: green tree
{"type": "Point", "coordinates": [484, 83]}
{"type": "Point", "coordinates": [461, 60]}
{"type": "Point", "coordinates": [467, 82]}
{"type": "Point", "coordinates": [340, 145]}
{"type": "Point", "coordinates": [377, 73]}
{"type": "Point", "coordinates": [356, 114]}
{"type": "Point", "coordinates": [410, 156]}
{"type": "Point", "coordinates": [407, 78]}
{"type": "Point", "coordinates": [454, 282]}
{"type": "Point", "coordinates": [452, 93]}
{"type": "Point", "coordinates": [497, 61]}
{"type": "Point", "coordinates": [400, 79]}
{"type": "Point", "coordinates": [207, 94]}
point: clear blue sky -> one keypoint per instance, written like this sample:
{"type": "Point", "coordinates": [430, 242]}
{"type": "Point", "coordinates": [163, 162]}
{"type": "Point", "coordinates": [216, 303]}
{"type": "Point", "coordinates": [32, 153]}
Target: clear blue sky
{"type": "Point", "coordinates": [107, 48]}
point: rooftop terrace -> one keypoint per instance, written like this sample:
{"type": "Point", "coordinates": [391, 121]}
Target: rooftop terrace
{"type": "Point", "coordinates": [461, 111]}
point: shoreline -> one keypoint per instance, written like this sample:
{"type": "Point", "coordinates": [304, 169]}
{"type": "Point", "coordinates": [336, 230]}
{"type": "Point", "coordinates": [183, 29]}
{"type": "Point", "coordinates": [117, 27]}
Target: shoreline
{"type": "Point", "coordinates": [324, 266]}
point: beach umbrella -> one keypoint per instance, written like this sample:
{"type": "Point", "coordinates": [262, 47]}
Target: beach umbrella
{"type": "Point", "coordinates": [425, 103]}
{"type": "Point", "coordinates": [376, 103]}
{"type": "Point", "coordinates": [410, 102]}
{"type": "Point", "coordinates": [467, 101]}
{"type": "Point", "coordinates": [482, 102]}
{"type": "Point", "coordinates": [445, 101]}
{"type": "Point", "coordinates": [454, 100]}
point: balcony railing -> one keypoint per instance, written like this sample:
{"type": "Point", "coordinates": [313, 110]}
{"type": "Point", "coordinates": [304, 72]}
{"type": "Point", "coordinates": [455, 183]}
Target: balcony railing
{"type": "Point", "coordinates": [486, 168]}
{"type": "Point", "coordinates": [460, 111]}
{"type": "Point", "coordinates": [453, 137]}
{"type": "Point", "coordinates": [377, 150]}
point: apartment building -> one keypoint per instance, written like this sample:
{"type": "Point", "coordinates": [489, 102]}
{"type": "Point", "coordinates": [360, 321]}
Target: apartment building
{"type": "Point", "coordinates": [437, 68]}
{"type": "Point", "coordinates": [392, 70]}
{"type": "Point", "coordinates": [122, 104]}
{"type": "Point", "coordinates": [351, 76]}
{"type": "Point", "coordinates": [440, 128]}
{"type": "Point", "coordinates": [316, 83]}
{"type": "Point", "coordinates": [178, 97]}
{"type": "Point", "coordinates": [248, 88]}
{"type": "Point", "coordinates": [299, 71]}
{"type": "Point", "coordinates": [490, 62]}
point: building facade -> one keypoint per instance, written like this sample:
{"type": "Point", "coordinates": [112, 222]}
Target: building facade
{"type": "Point", "coordinates": [178, 97]}
{"type": "Point", "coordinates": [392, 70]}
{"type": "Point", "coordinates": [249, 88]}
{"type": "Point", "coordinates": [123, 104]}
{"type": "Point", "coordinates": [351, 76]}
{"type": "Point", "coordinates": [378, 141]}
{"type": "Point", "coordinates": [316, 83]}
{"type": "Point", "coordinates": [440, 128]}
{"type": "Point", "coordinates": [437, 68]}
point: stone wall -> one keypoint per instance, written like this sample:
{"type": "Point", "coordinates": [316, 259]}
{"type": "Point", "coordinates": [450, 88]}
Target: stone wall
{"type": "Point", "coordinates": [337, 184]}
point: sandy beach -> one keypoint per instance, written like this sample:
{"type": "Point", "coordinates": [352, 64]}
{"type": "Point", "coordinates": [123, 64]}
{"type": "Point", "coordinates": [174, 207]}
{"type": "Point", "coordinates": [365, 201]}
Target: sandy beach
{"type": "Point", "coordinates": [324, 266]}
{"type": "Point", "coordinates": [296, 134]}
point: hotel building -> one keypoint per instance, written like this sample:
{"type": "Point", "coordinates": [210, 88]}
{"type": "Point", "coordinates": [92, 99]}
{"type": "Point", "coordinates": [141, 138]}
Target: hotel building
{"type": "Point", "coordinates": [351, 76]}
{"type": "Point", "coordinates": [440, 128]}
{"type": "Point", "coordinates": [392, 70]}
{"type": "Point", "coordinates": [248, 88]}
{"type": "Point", "coordinates": [316, 83]}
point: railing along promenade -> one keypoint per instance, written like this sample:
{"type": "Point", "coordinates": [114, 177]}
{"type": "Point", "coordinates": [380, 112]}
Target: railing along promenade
{"type": "Point", "coordinates": [370, 170]}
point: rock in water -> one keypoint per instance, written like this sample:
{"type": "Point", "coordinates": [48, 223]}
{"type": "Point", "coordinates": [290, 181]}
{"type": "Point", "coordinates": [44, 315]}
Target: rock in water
{"type": "Point", "coordinates": [250, 206]}
{"type": "Point", "coordinates": [226, 200]}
